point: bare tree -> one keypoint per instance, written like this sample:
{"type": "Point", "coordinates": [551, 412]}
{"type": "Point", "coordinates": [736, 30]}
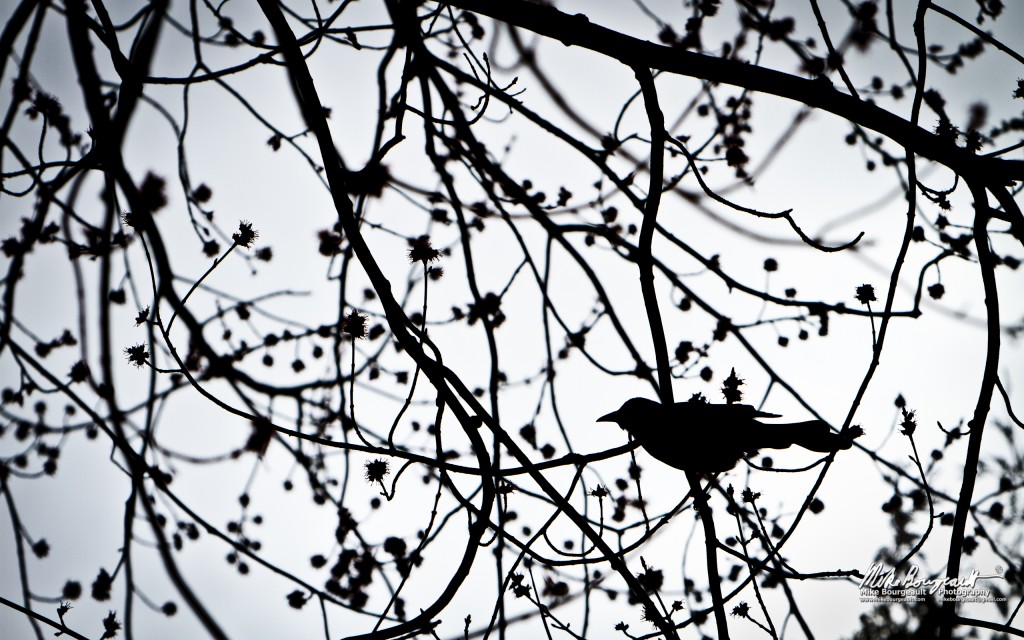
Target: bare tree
{"type": "Point", "coordinates": [264, 263]}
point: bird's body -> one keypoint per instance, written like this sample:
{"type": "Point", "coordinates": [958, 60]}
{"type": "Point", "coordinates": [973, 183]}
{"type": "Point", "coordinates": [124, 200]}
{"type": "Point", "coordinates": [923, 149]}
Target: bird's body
{"type": "Point", "coordinates": [709, 438]}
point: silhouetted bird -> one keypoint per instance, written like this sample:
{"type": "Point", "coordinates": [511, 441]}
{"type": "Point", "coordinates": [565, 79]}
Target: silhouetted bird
{"type": "Point", "coordinates": [708, 438]}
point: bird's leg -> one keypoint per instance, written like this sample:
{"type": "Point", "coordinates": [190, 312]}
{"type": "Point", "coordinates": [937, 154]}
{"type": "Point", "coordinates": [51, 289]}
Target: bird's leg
{"type": "Point", "coordinates": [703, 492]}
{"type": "Point", "coordinates": [699, 494]}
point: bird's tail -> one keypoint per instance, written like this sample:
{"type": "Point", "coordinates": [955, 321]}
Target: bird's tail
{"type": "Point", "coordinates": [813, 435]}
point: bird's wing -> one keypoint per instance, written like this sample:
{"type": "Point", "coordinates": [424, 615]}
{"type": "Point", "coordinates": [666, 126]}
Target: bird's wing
{"type": "Point", "coordinates": [705, 412]}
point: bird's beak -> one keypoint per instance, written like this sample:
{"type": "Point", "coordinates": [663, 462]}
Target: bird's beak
{"type": "Point", "coordinates": [609, 417]}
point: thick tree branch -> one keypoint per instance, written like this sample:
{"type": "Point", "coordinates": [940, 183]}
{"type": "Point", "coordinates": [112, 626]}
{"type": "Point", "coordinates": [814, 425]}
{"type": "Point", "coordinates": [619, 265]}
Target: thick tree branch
{"type": "Point", "coordinates": [577, 30]}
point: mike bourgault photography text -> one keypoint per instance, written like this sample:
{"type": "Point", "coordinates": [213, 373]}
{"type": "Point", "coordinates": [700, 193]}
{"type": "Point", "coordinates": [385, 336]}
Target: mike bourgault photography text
{"type": "Point", "coordinates": [886, 585]}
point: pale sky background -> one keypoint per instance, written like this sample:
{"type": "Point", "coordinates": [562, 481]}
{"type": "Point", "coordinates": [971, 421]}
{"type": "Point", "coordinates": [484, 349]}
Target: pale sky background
{"type": "Point", "coordinates": [935, 362]}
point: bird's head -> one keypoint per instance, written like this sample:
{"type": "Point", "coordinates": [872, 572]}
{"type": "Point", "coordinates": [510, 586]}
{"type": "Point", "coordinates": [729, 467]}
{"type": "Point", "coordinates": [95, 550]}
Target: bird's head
{"type": "Point", "coordinates": [635, 411]}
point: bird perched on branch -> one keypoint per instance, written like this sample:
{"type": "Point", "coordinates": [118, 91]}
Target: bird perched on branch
{"type": "Point", "coordinates": [709, 438]}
